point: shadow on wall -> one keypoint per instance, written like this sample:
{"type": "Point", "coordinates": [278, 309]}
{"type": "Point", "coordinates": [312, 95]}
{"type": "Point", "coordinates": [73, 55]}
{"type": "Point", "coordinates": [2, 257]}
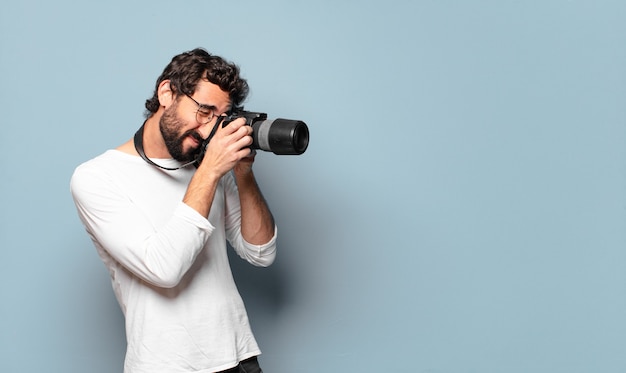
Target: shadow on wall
{"type": "Point", "coordinates": [264, 289]}
{"type": "Point", "coordinates": [303, 236]}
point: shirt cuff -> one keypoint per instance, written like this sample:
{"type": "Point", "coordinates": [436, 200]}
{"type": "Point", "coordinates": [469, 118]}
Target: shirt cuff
{"type": "Point", "coordinates": [260, 248]}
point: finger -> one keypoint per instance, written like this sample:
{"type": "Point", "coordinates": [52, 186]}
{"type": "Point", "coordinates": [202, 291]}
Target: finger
{"type": "Point", "coordinates": [244, 155]}
{"type": "Point", "coordinates": [245, 140]}
{"type": "Point", "coordinates": [243, 132]}
{"type": "Point", "coordinates": [252, 155]}
{"type": "Point", "coordinates": [233, 126]}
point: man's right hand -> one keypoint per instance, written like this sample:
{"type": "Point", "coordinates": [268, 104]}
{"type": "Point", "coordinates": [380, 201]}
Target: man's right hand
{"type": "Point", "coordinates": [228, 146]}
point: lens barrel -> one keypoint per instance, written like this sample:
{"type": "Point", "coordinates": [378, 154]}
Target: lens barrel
{"type": "Point", "coordinates": [280, 136]}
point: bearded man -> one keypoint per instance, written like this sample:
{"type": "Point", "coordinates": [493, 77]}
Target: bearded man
{"type": "Point", "coordinates": [160, 219]}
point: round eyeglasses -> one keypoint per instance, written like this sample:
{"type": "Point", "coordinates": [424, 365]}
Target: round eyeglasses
{"type": "Point", "coordinates": [205, 113]}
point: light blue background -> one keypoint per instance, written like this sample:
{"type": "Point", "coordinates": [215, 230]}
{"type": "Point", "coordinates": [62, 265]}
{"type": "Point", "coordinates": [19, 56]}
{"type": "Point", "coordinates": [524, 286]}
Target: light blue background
{"type": "Point", "coordinates": [461, 207]}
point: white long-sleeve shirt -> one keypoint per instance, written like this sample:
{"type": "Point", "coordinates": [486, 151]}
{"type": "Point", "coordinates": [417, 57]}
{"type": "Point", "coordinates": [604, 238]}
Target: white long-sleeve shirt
{"type": "Point", "coordinates": [168, 264]}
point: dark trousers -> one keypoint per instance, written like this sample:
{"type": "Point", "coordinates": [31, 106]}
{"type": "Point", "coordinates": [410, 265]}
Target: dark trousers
{"type": "Point", "coordinates": [250, 365]}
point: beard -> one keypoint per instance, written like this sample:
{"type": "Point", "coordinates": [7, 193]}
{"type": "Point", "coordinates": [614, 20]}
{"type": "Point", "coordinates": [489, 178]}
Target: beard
{"type": "Point", "coordinates": [170, 124]}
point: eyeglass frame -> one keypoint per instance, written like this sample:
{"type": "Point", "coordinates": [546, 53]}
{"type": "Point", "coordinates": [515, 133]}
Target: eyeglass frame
{"type": "Point", "coordinates": [199, 113]}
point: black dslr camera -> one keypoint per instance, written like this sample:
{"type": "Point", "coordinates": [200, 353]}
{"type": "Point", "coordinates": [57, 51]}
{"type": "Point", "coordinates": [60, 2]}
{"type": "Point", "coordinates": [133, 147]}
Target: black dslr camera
{"type": "Point", "coordinates": [279, 136]}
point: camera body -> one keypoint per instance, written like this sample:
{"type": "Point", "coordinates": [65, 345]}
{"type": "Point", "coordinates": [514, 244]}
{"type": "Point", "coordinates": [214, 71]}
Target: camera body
{"type": "Point", "coordinates": [279, 136]}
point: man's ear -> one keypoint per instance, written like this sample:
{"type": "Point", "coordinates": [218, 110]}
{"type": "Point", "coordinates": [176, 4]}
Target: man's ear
{"type": "Point", "coordinates": [165, 94]}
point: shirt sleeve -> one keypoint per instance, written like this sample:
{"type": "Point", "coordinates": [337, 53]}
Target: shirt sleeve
{"type": "Point", "coordinates": [158, 255]}
{"type": "Point", "coordinates": [258, 255]}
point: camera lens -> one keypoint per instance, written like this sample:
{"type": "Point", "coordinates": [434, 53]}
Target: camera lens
{"type": "Point", "coordinates": [281, 136]}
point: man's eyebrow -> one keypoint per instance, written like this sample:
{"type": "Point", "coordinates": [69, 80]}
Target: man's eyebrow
{"type": "Point", "coordinates": [207, 107]}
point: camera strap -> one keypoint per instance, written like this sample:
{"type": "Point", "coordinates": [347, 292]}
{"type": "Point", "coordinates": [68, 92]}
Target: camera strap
{"type": "Point", "coordinates": [138, 141]}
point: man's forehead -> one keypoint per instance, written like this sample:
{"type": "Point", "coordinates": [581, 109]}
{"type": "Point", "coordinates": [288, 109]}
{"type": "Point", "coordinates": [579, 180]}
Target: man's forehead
{"type": "Point", "coordinates": [211, 94]}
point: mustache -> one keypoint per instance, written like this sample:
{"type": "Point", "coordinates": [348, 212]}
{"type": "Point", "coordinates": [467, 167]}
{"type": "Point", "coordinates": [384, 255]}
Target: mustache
{"type": "Point", "coordinates": [194, 153]}
{"type": "Point", "coordinates": [195, 135]}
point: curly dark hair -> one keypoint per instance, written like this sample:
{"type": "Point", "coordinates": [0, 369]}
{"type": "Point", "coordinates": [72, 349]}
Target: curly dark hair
{"type": "Point", "coordinates": [186, 69]}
